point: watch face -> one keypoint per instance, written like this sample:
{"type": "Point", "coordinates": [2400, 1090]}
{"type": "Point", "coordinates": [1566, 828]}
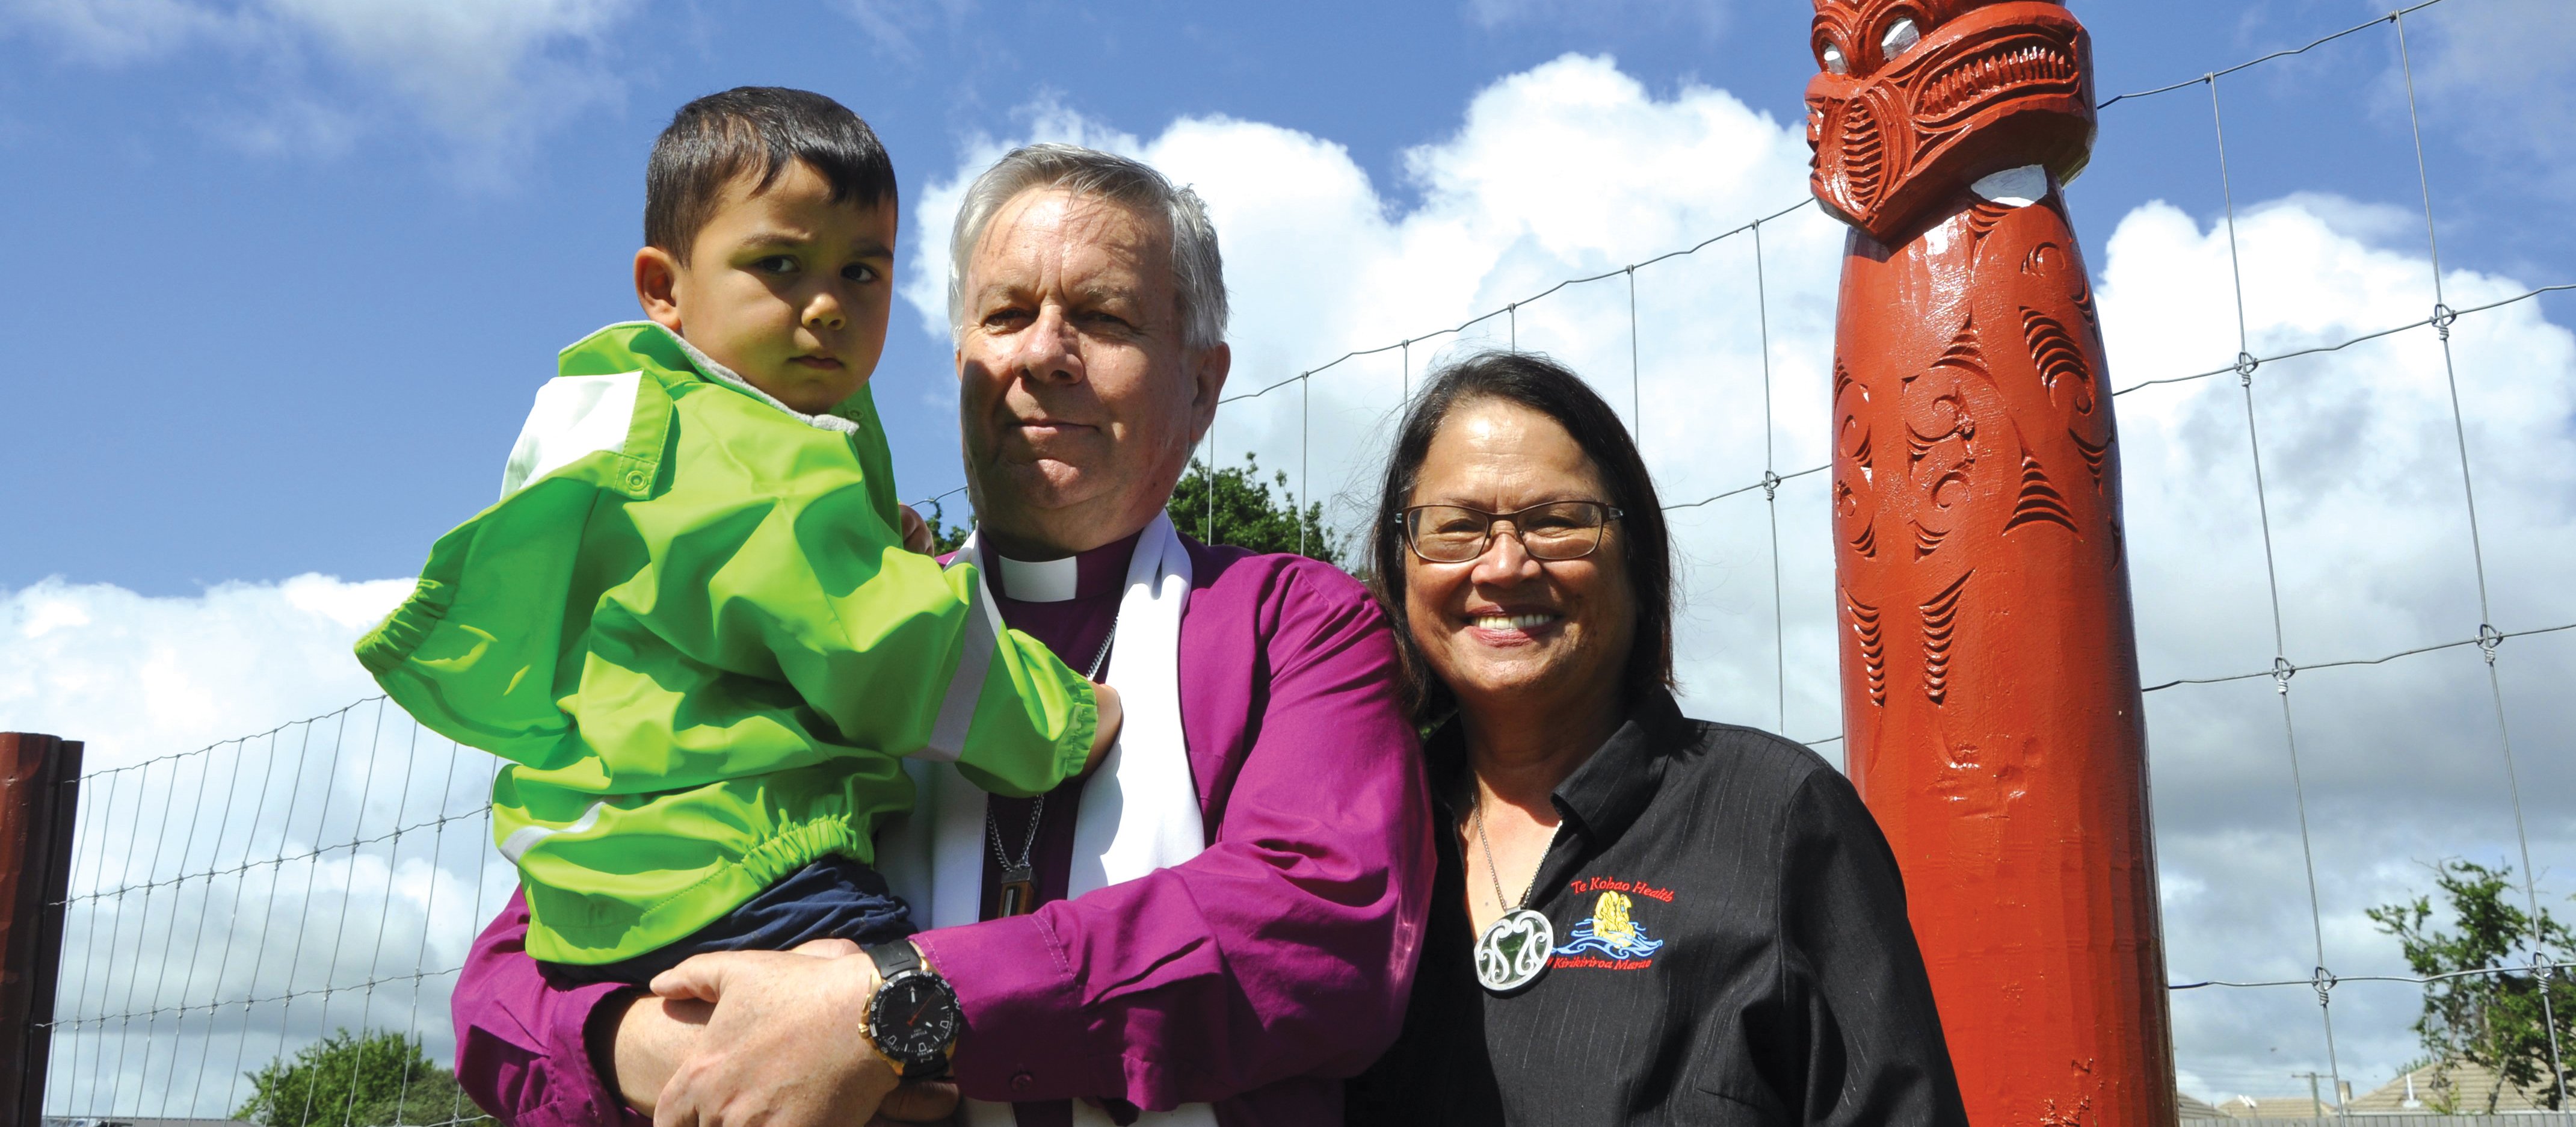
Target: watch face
{"type": "Point", "coordinates": [915, 1018]}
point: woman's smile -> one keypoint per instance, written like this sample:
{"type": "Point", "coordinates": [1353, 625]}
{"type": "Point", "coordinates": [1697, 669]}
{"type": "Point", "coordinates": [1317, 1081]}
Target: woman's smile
{"type": "Point", "coordinates": [1504, 628]}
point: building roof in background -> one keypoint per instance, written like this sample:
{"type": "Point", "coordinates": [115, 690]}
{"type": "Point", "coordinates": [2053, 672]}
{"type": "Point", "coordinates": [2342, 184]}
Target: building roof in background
{"type": "Point", "coordinates": [2300, 1106]}
{"type": "Point", "coordinates": [2460, 1086]}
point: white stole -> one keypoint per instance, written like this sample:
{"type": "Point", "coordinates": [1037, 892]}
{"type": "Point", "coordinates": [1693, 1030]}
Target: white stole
{"type": "Point", "coordinates": [1140, 811]}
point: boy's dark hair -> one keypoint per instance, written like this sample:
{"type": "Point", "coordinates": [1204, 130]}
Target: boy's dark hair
{"type": "Point", "coordinates": [758, 129]}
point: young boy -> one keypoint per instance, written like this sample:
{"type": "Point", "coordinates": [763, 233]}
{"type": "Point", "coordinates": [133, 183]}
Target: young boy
{"type": "Point", "coordinates": [691, 623]}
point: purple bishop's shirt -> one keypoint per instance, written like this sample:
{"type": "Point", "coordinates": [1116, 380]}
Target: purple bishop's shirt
{"type": "Point", "coordinates": [1254, 976]}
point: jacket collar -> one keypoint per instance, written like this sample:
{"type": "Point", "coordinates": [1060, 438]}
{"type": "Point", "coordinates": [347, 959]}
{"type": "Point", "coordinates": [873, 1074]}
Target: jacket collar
{"type": "Point", "coordinates": [708, 367]}
{"type": "Point", "coordinates": [1604, 795]}
{"type": "Point", "coordinates": [642, 342]}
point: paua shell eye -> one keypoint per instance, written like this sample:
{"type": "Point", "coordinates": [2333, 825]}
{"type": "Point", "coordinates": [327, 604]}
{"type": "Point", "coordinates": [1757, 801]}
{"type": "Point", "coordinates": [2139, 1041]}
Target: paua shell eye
{"type": "Point", "coordinates": [1835, 63]}
{"type": "Point", "coordinates": [1901, 37]}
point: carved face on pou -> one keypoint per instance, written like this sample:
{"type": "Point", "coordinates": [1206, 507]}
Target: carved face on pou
{"type": "Point", "coordinates": [1916, 99]}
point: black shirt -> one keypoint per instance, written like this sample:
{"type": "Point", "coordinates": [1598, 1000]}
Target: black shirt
{"type": "Point", "coordinates": [1742, 957]}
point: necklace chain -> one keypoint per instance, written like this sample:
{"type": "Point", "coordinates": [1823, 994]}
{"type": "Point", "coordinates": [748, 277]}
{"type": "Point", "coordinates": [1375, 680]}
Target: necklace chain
{"type": "Point", "coordinates": [1037, 808]}
{"type": "Point", "coordinates": [1495, 874]}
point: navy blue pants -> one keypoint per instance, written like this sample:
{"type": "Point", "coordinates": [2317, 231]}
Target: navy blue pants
{"type": "Point", "coordinates": [834, 898]}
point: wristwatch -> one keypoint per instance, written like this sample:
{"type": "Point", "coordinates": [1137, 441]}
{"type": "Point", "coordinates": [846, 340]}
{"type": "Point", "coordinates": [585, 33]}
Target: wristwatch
{"type": "Point", "coordinates": [914, 1018]}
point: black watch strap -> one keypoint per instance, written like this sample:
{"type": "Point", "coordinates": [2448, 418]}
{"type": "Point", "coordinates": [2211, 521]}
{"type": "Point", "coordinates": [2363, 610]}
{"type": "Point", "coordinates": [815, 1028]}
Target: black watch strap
{"type": "Point", "coordinates": [895, 958]}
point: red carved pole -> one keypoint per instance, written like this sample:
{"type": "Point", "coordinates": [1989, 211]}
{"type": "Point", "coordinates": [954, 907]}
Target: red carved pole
{"type": "Point", "coordinates": [1990, 673]}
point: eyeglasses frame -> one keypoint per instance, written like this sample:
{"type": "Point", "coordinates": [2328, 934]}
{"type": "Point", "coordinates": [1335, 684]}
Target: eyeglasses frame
{"type": "Point", "coordinates": [1404, 529]}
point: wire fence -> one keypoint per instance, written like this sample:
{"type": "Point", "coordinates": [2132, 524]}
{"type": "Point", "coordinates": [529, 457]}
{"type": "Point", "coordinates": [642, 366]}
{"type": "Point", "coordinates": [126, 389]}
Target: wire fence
{"type": "Point", "coordinates": [232, 905]}
{"type": "Point", "coordinates": [210, 927]}
{"type": "Point", "coordinates": [2488, 637]}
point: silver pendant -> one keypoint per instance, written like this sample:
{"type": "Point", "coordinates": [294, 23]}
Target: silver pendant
{"type": "Point", "coordinates": [1514, 950]}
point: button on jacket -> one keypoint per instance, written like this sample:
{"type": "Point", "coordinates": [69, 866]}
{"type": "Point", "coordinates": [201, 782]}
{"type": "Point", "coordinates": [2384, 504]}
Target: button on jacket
{"type": "Point", "coordinates": [1731, 947]}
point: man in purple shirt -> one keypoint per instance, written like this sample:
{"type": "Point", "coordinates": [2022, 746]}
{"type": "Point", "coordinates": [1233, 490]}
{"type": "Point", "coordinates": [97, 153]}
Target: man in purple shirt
{"type": "Point", "coordinates": [1218, 925]}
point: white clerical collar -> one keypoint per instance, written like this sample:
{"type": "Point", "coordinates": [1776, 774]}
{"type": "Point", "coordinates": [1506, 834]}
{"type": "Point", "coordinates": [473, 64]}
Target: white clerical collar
{"type": "Point", "coordinates": [1101, 571]}
{"type": "Point", "coordinates": [1043, 581]}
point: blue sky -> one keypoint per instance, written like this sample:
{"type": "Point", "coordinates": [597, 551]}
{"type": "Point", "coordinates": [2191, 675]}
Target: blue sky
{"type": "Point", "coordinates": [281, 276]}
{"type": "Point", "coordinates": [278, 289]}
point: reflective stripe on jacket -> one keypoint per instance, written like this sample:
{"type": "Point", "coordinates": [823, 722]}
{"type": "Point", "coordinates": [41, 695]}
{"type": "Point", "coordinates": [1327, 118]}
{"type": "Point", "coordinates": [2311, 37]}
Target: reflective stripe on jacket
{"type": "Point", "coordinates": [691, 627]}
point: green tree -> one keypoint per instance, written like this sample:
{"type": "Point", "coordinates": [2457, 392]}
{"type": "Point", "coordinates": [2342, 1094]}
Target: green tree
{"type": "Point", "coordinates": [2498, 1020]}
{"type": "Point", "coordinates": [357, 1080]}
{"type": "Point", "coordinates": [944, 537]}
{"type": "Point", "coordinates": [1246, 515]}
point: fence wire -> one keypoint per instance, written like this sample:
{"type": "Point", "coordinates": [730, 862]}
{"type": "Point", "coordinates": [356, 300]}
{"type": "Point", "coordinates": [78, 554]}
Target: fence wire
{"type": "Point", "coordinates": [210, 932]}
{"type": "Point", "coordinates": [232, 905]}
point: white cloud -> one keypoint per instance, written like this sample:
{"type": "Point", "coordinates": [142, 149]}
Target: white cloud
{"type": "Point", "coordinates": [489, 75]}
{"type": "Point", "coordinates": [138, 677]}
{"type": "Point", "coordinates": [481, 71]}
{"type": "Point", "coordinates": [1573, 168]}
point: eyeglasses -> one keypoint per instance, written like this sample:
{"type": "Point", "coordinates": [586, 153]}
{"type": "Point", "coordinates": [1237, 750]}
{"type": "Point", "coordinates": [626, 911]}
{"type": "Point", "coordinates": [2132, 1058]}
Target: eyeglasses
{"type": "Point", "coordinates": [1557, 530]}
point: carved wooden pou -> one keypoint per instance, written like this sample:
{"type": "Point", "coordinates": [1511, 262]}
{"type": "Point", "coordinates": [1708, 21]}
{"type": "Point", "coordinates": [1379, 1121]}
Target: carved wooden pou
{"type": "Point", "coordinates": [1990, 677]}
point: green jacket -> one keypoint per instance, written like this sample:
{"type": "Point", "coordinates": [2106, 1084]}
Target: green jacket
{"type": "Point", "coordinates": [691, 627]}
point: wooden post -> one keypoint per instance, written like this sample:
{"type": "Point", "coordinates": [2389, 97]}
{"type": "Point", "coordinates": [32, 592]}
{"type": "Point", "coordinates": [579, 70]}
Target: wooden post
{"type": "Point", "coordinates": [39, 797]}
{"type": "Point", "coordinates": [1990, 672]}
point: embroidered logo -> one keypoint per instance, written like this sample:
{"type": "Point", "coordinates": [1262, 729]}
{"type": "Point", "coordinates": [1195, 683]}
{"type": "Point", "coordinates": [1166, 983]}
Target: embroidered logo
{"type": "Point", "coordinates": [1611, 940]}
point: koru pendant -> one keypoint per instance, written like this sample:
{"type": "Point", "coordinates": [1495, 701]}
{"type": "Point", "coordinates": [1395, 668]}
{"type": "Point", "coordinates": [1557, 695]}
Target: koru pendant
{"type": "Point", "coordinates": [1514, 950]}
{"type": "Point", "coordinates": [1019, 892]}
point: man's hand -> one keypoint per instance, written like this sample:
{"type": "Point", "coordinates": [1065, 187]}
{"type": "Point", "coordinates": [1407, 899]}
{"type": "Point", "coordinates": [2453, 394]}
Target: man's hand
{"type": "Point", "coordinates": [784, 1047]}
{"type": "Point", "coordinates": [916, 532]}
{"type": "Point", "coordinates": [647, 1039]}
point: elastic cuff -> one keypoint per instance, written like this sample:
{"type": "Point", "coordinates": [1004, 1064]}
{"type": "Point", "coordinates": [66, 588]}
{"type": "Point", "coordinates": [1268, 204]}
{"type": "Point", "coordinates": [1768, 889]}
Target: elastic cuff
{"type": "Point", "coordinates": [403, 631]}
{"type": "Point", "coordinates": [1082, 726]}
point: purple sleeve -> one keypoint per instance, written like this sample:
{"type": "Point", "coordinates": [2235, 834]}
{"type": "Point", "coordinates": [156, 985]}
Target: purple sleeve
{"type": "Point", "coordinates": [1284, 950]}
{"type": "Point", "coordinates": [520, 1051]}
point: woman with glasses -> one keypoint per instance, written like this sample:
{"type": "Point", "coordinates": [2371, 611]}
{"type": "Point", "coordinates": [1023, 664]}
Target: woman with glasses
{"type": "Point", "coordinates": [1638, 917]}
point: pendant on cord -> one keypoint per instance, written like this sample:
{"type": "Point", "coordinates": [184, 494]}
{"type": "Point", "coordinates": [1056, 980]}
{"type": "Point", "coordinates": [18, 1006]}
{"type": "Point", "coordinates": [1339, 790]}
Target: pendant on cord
{"type": "Point", "coordinates": [1514, 950]}
{"type": "Point", "coordinates": [1019, 892]}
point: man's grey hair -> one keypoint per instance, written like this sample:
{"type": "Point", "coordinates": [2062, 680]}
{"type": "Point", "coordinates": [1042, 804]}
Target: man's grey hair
{"type": "Point", "coordinates": [1198, 272]}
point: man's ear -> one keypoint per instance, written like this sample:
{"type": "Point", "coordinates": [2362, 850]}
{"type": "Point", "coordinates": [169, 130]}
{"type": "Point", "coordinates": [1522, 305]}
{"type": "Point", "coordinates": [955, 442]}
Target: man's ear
{"type": "Point", "coordinates": [657, 281]}
{"type": "Point", "coordinates": [1207, 386]}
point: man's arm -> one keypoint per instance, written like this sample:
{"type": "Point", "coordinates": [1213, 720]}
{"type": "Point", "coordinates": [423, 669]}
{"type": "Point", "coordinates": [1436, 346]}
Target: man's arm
{"type": "Point", "coordinates": [522, 1046]}
{"type": "Point", "coordinates": [1284, 950]}
{"type": "Point", "coordinates": [530, 1052]}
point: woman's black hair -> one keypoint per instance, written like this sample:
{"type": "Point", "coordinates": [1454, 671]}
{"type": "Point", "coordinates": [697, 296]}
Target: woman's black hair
{"type": "Point", "coordinates": [1542, 385]}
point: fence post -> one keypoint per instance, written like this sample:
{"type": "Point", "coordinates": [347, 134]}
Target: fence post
{"type": "Point", "coordinates": [39, 796]}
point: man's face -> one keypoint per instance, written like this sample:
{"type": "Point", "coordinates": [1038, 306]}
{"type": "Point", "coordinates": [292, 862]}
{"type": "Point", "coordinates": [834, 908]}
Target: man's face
{"type": "Point", "coordinates": [1078, 401]}
{"type": "Point", "coordinates": [787, 288]}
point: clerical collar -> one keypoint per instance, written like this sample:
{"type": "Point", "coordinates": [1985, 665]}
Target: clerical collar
{"type": "Point", "coordinates": [1099, 571]}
